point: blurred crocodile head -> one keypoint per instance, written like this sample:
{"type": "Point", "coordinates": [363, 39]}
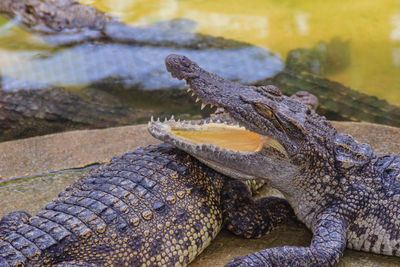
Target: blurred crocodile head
{"type": "Point", "coordinates": [267, 135]}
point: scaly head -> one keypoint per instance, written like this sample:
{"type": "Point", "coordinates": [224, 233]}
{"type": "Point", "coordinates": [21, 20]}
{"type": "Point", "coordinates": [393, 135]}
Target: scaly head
{"type": "Point", "coordinates": [269, 135]}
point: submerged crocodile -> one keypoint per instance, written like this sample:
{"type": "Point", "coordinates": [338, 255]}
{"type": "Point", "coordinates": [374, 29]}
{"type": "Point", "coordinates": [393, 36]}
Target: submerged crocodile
{"type": "Point", "coordinates": [338, 188]}
{"type": "Point", "coordinates": [304, 68]}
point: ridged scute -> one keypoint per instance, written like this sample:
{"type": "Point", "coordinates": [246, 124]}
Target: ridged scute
{"type": "Point", "coordinates": [153, 206]}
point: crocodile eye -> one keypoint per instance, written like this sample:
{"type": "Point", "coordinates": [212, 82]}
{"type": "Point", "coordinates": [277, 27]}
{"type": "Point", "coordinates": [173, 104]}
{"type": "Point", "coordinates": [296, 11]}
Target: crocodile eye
{"type": "Point", "coordinates": [264, 110]}
{"type": "Point", "coordinates": [343, 149]}
{"type": "Point", "coordinates": [271, 90]}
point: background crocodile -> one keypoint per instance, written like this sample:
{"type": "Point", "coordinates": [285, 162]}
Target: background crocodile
{"type": "Point", "coordinates": [304, 70]}
{"type": "Point", "coordinates": [343, 192]}
{"type": "Point", "coordinates": [75, 53]}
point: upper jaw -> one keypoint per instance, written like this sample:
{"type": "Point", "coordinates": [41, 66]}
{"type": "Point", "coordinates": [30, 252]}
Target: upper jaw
{"type": "Point", "coordinates": [208, 87]}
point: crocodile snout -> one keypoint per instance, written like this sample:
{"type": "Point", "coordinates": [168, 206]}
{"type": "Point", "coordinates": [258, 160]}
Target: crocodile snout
{"type": "Point", "coordinates": [180, 66]}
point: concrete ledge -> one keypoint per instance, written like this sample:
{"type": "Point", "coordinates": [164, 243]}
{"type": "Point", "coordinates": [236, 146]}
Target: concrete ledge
{"type": "Point", "coordinates": [69, 150]}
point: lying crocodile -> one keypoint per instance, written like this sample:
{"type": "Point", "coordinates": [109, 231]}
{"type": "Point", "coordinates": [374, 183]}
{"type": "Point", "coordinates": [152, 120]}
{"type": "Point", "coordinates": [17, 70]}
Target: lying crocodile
{"type": "Point", "coordinates": [339, 188]}
{"type": "Point", "coordinates": [155, 206]}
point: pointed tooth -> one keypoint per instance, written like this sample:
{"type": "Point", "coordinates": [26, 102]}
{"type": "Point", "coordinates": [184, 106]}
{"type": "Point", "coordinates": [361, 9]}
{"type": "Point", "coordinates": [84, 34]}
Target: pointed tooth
{"type": "Point", "coordinates": [158, 119]}
{"type": "Point", "coordinates": [188, 90]}
{"type": "Point", "coordinates": [193, 93]}
{"type": "Point", "coordinates": [172, 117]}
{"type": "Point", "coordinates": [203, 106]}
{"type": "Point", "coordinates": [211, 105]}
{"type": "Point", "coordinates": [179, 120]}
{"type": "Point", "coordinates": [197, 100]}
{"type": "Point", "coordinates": [152, 119]}
{"type": "Point", "coordinates": [165, 120]}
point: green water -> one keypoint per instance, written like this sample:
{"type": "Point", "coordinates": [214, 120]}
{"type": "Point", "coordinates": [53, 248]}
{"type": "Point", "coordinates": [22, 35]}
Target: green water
{"type": "Point", "coordinates": [372, 27]}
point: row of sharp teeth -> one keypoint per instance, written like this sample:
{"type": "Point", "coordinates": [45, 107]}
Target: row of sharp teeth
{"type": "Point", "coordinates": [190, 90]}
{"type": "Point", "coordinates": [203, 105]}
{"type": "Point", "coordinates": [192, 122]}
{"type": "Point", "coordinates": [187, 146]}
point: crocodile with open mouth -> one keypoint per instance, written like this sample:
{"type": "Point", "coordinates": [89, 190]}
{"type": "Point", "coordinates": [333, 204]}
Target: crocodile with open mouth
{"type": "Point", "coordinates": [338, 188]}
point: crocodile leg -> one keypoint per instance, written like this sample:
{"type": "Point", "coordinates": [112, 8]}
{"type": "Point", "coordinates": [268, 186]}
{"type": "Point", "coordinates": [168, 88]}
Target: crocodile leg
{"type": "Point", "coordinates": [248, 218]}
{"type": "Point", "coordinates": [326, 248]}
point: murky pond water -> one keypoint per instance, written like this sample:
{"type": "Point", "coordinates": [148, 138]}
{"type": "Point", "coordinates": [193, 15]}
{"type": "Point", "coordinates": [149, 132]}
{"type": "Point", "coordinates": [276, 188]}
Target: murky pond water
{"type": "Point", "coordinates": [117, 69]}
{"type": "Point", "coordinates": [372, 29]}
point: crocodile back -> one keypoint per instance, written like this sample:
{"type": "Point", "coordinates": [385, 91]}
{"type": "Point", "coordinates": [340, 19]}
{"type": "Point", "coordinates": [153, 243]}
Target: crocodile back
{"type": "Point", "coordinates": [156, 205]}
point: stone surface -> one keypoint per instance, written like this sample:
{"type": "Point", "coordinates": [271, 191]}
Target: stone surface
{"type": "Point", "coordinates": [80, 148]}
{"type": "Point", "coordinates": [69, 150]}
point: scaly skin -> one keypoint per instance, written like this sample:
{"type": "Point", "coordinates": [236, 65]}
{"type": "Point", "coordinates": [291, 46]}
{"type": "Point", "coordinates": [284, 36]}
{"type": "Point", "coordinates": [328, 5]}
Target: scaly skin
{"type": "Point", "coordinates": [157, 206]}
{"type": "Point", "coordinates": [338, 187]}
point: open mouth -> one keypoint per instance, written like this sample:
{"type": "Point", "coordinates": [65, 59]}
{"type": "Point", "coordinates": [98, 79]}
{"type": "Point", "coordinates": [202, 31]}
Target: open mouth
{"type": "Point", "coordinates": [222, 135]}
{"type": "Point", "coordinates": [212, 134]}
{"type": "Point", "coordinates": [218, 133]}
